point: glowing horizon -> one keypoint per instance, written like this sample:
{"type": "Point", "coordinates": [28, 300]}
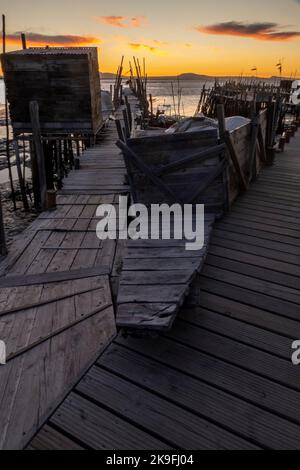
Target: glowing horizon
{"type": "Point", "coordinates": [222, 38]}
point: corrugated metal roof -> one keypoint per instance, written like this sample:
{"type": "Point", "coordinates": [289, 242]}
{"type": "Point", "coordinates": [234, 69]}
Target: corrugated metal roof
{"type": "Point", "coordinates": [54, 50]}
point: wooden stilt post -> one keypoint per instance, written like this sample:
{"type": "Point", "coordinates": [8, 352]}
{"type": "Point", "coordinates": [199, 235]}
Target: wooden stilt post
{"type": "Point", "coordinates": [221, 121]}
{"type": "Point", "coordinates": [3, 249]}
{"type": "Point", "coordinates": [129, 114]}
{"type": "Point", "coordinates": [126, 124]}
{"type": "Point", "coordinates": [23, 39]}
{"type": "Point", "coordinates": [222, 135]}
{"type": "Point", "coordinates": [39, 152]}
{"type": "Point", "coordinates": [20, 176]}
{"type": "Point", "coordinates": [253, 145]}
{"type": "Point", "coordinates": [226, 137]}
{"type": "Point", "coordinates": [24, 159]}
{"type": "Point", "coordinates": [6, 121]}
{"type": "Point", "coordinates": [35, 177]}
{"type": "Point", "coordinates": [270, 125]}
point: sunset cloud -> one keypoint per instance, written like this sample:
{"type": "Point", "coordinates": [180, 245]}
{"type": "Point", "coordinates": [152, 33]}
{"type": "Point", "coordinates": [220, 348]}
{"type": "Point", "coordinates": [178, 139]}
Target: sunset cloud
{"type": "Point", "coordinates": [153, 49]}
{"type": "Point", "coordinates": [160, 43]}
{"type": "Point", "coordinates": [62, 40]}
{"type": "Point", "coordinates": [123, 21]}
{"type": "Point", "coordinates": [138, 21]}
{"type": "Point", "coordinates": [136, 46]}
{"type": "Point", "coordinates": [259, 31]}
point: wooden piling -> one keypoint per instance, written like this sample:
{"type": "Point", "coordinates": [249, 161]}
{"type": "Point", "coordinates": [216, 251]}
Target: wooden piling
{"type": "Point", "coordinates": [226, 138]}
{"type": "Point", "coordinates": [23, 40]}
{"type": "Point", "coordinates": [40, 159]}
{"type": "Point", "coordinates": [13, 195]}
{"type": "Point", "coordinates": [20, 176]}
{"type": "Point", "coordinates": [3, 249]}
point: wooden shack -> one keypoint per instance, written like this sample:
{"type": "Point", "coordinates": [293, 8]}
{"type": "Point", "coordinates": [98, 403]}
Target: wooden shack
{"type": "Point", "coordinates": [64, 81]}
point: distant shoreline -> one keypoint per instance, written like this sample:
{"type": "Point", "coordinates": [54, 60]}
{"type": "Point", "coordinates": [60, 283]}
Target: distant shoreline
{"type": "Point", "coordinates": [195, 77]}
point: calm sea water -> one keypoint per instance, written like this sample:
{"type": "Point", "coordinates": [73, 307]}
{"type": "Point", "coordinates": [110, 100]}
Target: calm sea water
{"type": "Point", "coordinates": [161, 91]}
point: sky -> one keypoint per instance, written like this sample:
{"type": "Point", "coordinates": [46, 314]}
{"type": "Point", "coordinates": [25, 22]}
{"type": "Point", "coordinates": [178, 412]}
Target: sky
{"type": "Point", "coordinates": [215, 37]}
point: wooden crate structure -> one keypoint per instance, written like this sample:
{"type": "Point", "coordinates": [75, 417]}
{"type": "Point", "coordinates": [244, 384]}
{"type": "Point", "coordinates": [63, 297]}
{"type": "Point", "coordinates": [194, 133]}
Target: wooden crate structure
{"type": "Point", "coordinates": [243, 139]}
{"type": "Point", "coordinates": [183, 167]}
{"type": "Point", "coordinates": [64, 81]}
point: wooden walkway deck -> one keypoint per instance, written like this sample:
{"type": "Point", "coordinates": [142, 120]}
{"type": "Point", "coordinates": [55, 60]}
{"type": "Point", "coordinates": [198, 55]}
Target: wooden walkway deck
{"type": "Point", "coordinates": [223, 377]}
{"type": "Point", "coordinates": [56, 309]}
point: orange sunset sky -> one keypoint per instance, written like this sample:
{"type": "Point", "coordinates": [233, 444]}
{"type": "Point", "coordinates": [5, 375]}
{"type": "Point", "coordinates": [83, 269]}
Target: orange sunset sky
{"type": "Point", "coordinates": [216, 37]}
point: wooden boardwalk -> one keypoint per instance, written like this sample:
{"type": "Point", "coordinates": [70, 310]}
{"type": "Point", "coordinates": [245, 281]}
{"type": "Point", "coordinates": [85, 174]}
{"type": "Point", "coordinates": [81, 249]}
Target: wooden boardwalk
{"type": "Point", "coordinates": [222, 378]}
{"type": "Point", "coordinates": [155, 279]}
{"type": "Point", "coordinates": [56, 309]}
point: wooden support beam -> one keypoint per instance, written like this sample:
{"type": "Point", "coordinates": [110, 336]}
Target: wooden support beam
{"type": "Point", "coordinates": [129, 113]}
{"type": "Point", "coordinates": [199, 157]}
{"type": "Point", "coordinates": [235, 161]}
{"type": "Point", "coordinates": [282, 142]}
{"type": "Point", "coordinates": [20, 176]}
{"type": "Point", "coordinates": [252, 150]}
{"type": "Point", "coordinates": [23, 39]}
{"type": "Point", "coordinates": [126, 123]}
{"type": "Point", "coordinates": [221, 121]}
{"type": "Point", "coordinates": [261, 143]}
{"type": "Point", "coordinates": [223, 137]}
{"type": "Point", "coordinates": [226, 137]}
{"type": "Point", "coordinates": [53, 277]}
{"type": "Point", "coordinates": [3, 249]}
{"type": "Point", "coordinates": [148, 172]}
{"type": "Point", "coordinates": [7, 120]}
{"type": "Point", "coordinates": [208, 181]}
{"type": "Point", "coordinates": [120, 130]}
{"type": "Point", "coordinates": [36, 132]}
{"type": "Point", "coordinates": [34, 175]}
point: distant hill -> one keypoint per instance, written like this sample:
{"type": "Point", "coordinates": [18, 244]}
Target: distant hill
{"type": "Point", "coordinates": [190, 76]}
{"type": "Point", "coordinates": [107, 75]}
{"type": "Point", "coordinates": [193, 76]}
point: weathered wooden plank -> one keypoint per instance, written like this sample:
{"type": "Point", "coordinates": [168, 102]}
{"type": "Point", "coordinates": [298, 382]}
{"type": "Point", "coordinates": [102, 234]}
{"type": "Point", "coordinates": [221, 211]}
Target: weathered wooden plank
{"type": "Point", "coordinates": [250, 314]}
{"type": "Point", "coordinates": [147, 316]}
{"type": "Point", "coordinates": [251, 298]}
{"type": "Point", "coordinates": [100, 429]}
{"type": "Point", "coordinates": [145, 408]}
{"type": "Point", "coordinates": [204, 399]}
{"type": "Point", "coordinates": [152, 293]}
{"type": "Point", "coordinates": [270, 366]}
{"type": "Point", "coordinates": [161, 264]}
{"type": "Point", "coordinates": [156, 277]}
{"type": "Point", "coordinates": [254, 284]}
{"type": "Point", "coordinates": [163, 252]}
{"type": "Point", "coordinates": [256, 246]}
{"type": "Point", "coordinates": [176, 360]}
{"type": "Point", "coordinates": [44, 278]}
{"type": "Point", "coordinates": [20, 263]}
{"type": "Point", "coordinates": [263, 268]}
{"type": "Point", "coordinates": [31, 327]}
{"type": "Point", "coordinates": [29, 296]}
{"type": "Point", "coordinates": [21, 390]}
{"type": "Point", "coordinates": [250, 335]}
{"type": "Point", "coordinates": [49, 438]}
{"type": "Point", "coordinates": [257, 230]}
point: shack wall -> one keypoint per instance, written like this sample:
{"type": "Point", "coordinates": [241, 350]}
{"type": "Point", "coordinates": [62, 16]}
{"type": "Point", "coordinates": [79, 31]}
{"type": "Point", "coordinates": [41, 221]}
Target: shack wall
{"type": "Point", "coordinates": [65, 83]}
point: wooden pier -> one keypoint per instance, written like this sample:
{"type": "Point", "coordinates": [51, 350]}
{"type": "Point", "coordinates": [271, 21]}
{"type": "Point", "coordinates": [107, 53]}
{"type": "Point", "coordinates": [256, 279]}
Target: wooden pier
{"type": "Point", "coordinates": [222, 378]}
{"type": "Point", "coordinates": [56, 307]}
